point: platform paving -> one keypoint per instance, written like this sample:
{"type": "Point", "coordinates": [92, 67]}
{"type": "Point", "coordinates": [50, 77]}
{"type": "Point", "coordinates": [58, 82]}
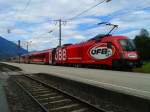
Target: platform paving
{"type": "Point", "coordinates": [136, 84]}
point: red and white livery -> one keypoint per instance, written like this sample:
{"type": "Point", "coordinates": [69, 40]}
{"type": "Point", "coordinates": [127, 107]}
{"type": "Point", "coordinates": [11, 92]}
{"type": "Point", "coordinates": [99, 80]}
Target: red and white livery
{"type": "Point", "coordinates": [102, 50]}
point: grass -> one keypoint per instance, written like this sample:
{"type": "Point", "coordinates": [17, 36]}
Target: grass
{"type": "Point", "coordinates": [144, 69]}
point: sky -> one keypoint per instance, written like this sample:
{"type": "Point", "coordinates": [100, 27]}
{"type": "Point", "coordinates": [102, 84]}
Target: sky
{"type": "Point", "coordinates": [31, 20]}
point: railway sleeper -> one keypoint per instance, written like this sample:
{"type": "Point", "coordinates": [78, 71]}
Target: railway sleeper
{"type": "Point", "coordinates": [39, 89]}
{"type": "Point", "coordinates": [31, 86]}
{"type": "Point", "coordinates": [51, 99]}
{"type": "Point", "coordinates": [67, 108]}
{"type": "Point", "coordinates": [82, 110]}
{"type": "Point", "coordinates": [38, 86]}
{"type": "Point", "coordinates": [40, 92]}
{"type": "Point", "coordinates": [36, 90]}
{"type": "Point", "coordinates": [45, 95]}
{"type": "Point", "coordinates": [54, 101]}
{"type": "Point", "coordinates": [60, 103]}
{"type": "Point", "coordinates": [48, 103]}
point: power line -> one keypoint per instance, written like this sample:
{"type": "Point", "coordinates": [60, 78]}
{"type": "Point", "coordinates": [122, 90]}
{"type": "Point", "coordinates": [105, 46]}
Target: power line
{"type": "Point", "coordinates": [81, 13]}
{"type": "Point", "coordinates": [27, 4]}
{"type": "Point", "coordinates": [60, 21]}
{"type": "Point", "coordinates": [19, 11]}
{"type": "Point", "coordinates": [50, 31]}
{"type": "Point", "coordinates": [23, 9]}
{"type": "Point", "coordinates": [76, 16]}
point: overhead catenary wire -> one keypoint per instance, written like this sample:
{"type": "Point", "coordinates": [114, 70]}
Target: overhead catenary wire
{"type": "Point", "coordinates": [88, 9]}
{"type": "Point", "coordinates": [29, 1]}
{"type": "Point", "coordinates": [27, 5]}
{"type": "Point", "coordinates": [24, 8]}
{"type": "Point", "coordinates": [76, 16]}
{"type": "Point", "coordinates": [19, 11]}
{"type": "Point", "coordinates": [48, 32]}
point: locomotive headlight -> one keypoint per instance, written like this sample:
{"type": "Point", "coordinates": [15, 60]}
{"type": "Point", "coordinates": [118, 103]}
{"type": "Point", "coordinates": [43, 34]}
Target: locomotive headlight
{"type": "Point", "coordinates": [131, 55]}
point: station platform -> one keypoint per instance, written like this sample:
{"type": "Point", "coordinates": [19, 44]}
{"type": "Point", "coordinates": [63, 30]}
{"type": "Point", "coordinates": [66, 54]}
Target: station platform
{"type": "Point", "coordinates": [135, 84]}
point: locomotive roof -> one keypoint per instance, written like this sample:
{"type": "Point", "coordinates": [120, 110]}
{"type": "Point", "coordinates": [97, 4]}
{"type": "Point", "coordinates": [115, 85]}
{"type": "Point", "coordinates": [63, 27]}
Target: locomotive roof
{"type": "Point", "coordinates": [36, 52]}
{"type": "Point", "coordinates": [99, 36]}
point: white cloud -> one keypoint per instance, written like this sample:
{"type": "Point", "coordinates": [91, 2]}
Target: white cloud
{"type": "Point", "coordinates": [34, 22]}
{"type": "Point", "coordinates": [19, 31]}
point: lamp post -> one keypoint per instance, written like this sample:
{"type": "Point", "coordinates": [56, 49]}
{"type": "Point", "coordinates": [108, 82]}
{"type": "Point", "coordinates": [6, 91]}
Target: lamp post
{"type": "Point", "coordinates": [28, 43]}
{"type": "Point", "coordinates": [19, 46]}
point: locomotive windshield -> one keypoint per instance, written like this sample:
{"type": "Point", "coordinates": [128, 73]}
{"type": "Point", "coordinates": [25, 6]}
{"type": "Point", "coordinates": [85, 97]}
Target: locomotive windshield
{"type": "Point", "coordinates": [127, 45]}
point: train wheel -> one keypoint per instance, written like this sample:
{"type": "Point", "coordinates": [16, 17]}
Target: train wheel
{"type": "Point", "coordinates": [103, 66]}
{"type": "Point", "coordinates": [78, 65]}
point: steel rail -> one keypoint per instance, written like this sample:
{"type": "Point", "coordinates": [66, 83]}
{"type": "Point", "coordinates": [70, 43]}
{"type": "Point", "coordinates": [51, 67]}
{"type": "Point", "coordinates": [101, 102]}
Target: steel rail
{"type": "Point", "coordinates": [67, 94]}
{"type": "Point", "coordinates": [29, 94]}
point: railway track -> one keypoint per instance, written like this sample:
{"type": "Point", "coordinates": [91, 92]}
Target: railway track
{"type": "Point", "coordinates": [51, 99]}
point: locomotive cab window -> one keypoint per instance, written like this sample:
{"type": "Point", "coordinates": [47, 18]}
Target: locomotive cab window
{"type": "Point", "coordinates": [127, 45]}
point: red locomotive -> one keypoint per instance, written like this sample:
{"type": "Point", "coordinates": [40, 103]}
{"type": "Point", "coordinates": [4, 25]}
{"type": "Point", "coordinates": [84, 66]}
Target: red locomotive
{"type": "Point", "coordinates": [102, 50]}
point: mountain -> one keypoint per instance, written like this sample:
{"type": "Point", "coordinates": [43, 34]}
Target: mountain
{"type": "Point", "coordinates": [9, 49]}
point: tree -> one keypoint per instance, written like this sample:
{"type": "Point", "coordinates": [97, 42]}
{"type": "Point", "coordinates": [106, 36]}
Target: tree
{"type": "Point", "coordinates": [144, 33]}
{"type": "Point", "coordinates": [142, 42]}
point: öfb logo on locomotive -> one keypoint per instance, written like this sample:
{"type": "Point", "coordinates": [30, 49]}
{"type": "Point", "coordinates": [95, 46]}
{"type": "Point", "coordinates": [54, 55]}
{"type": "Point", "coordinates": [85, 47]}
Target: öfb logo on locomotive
{"type": "Point", "coordinates": [100, 51]}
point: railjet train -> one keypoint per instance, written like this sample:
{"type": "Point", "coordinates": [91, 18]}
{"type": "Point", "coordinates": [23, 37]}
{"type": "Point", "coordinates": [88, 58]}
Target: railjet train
{"type": "Point", "coordinates": [100, 51]}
